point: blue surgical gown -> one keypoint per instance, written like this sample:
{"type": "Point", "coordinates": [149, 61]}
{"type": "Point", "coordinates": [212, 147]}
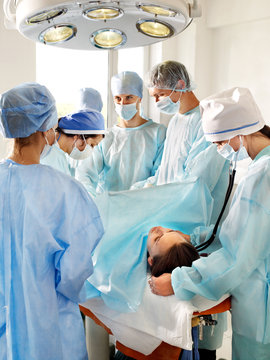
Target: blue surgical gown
{"type": "Point", "coordinates": [242, 266]}
{"type": "Point", "coordinates": [49, 228]}
{"type": "Point", "coordinates": [59, 160]}
{"type": "Point", "coordinates": [125, 156]}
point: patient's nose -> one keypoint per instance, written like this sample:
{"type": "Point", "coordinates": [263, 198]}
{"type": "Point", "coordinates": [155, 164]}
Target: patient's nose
{"type": "Point", "coordinates": [155, 228]}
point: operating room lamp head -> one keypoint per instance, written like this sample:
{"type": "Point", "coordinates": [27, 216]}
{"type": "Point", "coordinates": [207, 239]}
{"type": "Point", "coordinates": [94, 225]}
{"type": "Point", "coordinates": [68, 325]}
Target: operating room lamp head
{"type": "Point", "coordinates": [105, 24]}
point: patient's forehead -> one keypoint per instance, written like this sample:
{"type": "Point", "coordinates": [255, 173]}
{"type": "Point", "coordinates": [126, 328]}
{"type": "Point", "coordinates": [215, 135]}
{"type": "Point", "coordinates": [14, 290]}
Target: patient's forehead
{"type": "Point", "coordinates": [167, 241]}
{"type": "Point", "coordinates": [173, 236]}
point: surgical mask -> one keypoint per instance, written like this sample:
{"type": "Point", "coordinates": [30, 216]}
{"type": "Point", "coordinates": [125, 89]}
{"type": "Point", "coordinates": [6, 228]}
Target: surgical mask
{"type": "Point", "coordinates": [228, 152]}
{"type": "Point", "coordinates": [76, 154]}
{"type": "Point", "coordinates": [47, 148]}
{"type": "Point", "coordinates": [126, 112]}
{"type": "Point", "coordinates": [167, 106]}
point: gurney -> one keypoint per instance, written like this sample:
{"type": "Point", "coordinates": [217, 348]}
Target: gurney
{"type": "Point", "coordinates": [164, 350]}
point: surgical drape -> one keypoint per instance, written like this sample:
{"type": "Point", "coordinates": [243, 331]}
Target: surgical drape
{"type": "Point", "coordinates": [120, 259]}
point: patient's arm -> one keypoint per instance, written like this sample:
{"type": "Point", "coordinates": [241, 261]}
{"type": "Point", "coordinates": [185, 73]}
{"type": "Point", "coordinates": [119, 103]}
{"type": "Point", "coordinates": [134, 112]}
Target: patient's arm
{"type": "Point", "coordinates": [161, 285]}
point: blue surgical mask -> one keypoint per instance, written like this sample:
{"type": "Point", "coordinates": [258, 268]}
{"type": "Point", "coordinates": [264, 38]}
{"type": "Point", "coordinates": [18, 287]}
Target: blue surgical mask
{"type": "Point", "coordinates": [228, 152]}
{"type": "Point", "coordinates": [167, 106]}
{"type": "Point", "coordinates": [126, 112]}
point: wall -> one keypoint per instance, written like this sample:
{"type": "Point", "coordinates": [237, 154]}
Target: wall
{"type": "Point", "coordinates": [17, 64]}
{"type": "Point", "coordinates": [228, 46]}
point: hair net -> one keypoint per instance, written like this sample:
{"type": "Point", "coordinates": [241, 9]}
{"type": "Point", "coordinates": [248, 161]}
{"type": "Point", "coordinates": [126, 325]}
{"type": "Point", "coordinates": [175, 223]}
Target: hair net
{"type": "Point", "coordinates": [90, 98]}
{"type": "Point", "coordinates": [25, 109]}
{"type": "Point", "coordinates": [166, 75]}
{"type": "Point", "coordinates": [83, 122]}
{"type": "Point", "coordinates": [230, 113]}
{"type": "Point", "coordinates": [127, 82]}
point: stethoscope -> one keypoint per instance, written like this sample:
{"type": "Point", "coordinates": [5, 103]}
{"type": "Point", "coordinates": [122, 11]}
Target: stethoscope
{"type": "Point", "coordinates": [207, 243]}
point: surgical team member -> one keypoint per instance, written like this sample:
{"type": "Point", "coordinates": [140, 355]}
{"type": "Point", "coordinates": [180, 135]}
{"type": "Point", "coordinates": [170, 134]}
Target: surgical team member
{"type": "Point", "coordinates": [89, 99]}
{"type": "Point", "coordinates": [186, 154]}
{"type": "Point", "coordinates": [131, 150]}
{"type": "Point", "coordinates": [76, 136]}
{"type": "Point", "coordinates": [186, 151]}
{"type": "Point", "coordinates": [49, 228]}
{"type": "Point", "coordinates": [232, 120]}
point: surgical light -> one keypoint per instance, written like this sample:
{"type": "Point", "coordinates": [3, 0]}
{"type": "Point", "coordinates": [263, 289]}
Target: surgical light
{"type": "Point", "coordinates": [157, 10]}
{"type": "Point", "coordinates": [108, 38]}
{"type": "Point", "coordinates": [57, 34]}
{"type": "Point", "coordinates": [129, 23]}
{"type": "Point", "coordinates": [45, 16]}
{"type": "Point", "coordinates": [103, 13]}
{"type": "Point", "coordinates": [155, 28]}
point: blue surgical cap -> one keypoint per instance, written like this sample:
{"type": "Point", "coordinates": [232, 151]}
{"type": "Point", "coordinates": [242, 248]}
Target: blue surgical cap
{"type": "Point", "coordinates": [127, 82]}
{"type": "Point", "coordinates": [83, 122]}
{"type": "Point", "coordinates": [25, 109]}
{"type": "Point", "coordinates": [90, 99]}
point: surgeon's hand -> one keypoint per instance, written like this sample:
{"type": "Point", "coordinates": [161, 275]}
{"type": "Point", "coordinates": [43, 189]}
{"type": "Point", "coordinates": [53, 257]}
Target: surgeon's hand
{"type": "Point", "coordinates": [161, 285]}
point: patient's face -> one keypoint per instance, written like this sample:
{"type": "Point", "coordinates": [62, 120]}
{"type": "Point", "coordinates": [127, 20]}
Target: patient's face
{"type": "Point", "coordinates": [161, 239]}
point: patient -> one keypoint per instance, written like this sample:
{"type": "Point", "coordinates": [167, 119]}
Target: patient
{"type": "Point", "coordinates": [168, 250]}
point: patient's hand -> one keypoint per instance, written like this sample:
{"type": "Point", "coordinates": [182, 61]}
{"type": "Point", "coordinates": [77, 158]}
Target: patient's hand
{"type": "Point", "coordinates": [161, 285]}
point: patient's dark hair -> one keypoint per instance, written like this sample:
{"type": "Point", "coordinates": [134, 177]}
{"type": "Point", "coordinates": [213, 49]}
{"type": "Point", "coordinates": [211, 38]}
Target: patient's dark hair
{"type": "Point", "coordinates": [182, 254]}
{"type": "Point", "coordinates": [265, 131]}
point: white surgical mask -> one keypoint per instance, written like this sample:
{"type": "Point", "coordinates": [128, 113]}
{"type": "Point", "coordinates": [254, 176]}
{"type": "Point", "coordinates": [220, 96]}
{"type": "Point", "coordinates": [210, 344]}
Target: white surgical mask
{"type": "Point", "coordinates": [47, 148]}
{"type": "Point", "coordinates": [228, 152]}
{"type": "Point", "coordinates": [76, 154]}
{"type": "Point", "coordinates": [167, 106]}
{"type": "Point", "coordinates": [126, 112]}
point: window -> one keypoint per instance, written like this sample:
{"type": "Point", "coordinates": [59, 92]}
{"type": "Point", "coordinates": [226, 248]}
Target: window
{"type": "Point", "coordinates": [131, 60]}
{"type": "Point", "coordinates": [65, 71]}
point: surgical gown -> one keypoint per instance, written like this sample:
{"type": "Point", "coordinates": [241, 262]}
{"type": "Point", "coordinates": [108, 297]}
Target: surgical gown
{"type": "Point", "coordinates": [125, 156]}
{"type": "Point", "coordinates": [49, 228]}
{"type": "Point", "coordinates": [242, 266]}
{"type": "Point", "coordinates": [59, 160]}
{"type": "Point", "coordinates": [187, 154]}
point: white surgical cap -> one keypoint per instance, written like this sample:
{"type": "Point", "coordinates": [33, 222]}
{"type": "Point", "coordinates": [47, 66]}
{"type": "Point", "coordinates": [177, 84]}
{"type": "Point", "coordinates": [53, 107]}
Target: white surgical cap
{"type": "Point", "coordinates": [127, 82]}
{"type": "Point", "coordinates": [25, 109]}
{"type": "Point", "coordinates": [90, 98]}
{"type": "Point", "coordinates": [230, 113]}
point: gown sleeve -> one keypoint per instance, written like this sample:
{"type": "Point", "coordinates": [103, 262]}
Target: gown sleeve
{"type": "Point", "coordinates": [203, 161]}
{"type": "Point", "coordinates": [78, 233]}
{"type": "Point", "coordinates": [161, 135]}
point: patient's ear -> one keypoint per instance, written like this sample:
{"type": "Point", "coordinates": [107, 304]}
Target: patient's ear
{"type": "Point", "coordinates": [150, 260]}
